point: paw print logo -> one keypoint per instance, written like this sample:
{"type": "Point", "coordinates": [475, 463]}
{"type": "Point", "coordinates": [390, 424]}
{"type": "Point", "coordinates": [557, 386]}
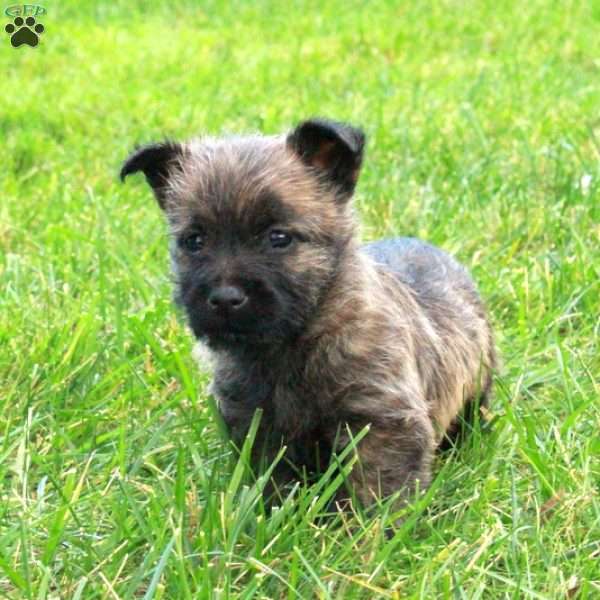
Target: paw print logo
{"type": "Point", "coordinates": [24, 32]}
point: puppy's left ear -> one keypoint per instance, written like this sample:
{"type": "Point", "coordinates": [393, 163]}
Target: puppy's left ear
{"type": "Point", "coordinates": [157, 162]}
{"type": "Point", "coordinates": [333, 149]}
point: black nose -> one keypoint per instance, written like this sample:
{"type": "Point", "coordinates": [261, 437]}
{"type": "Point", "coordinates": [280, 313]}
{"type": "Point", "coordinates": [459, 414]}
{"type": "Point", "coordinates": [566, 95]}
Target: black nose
{"type": "Point", "coordinates": [227, 297]}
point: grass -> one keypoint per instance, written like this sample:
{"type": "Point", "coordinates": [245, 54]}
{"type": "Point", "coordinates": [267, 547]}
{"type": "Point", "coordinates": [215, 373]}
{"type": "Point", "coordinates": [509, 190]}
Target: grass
{"type": "Point", "coordinates": [484, 138]}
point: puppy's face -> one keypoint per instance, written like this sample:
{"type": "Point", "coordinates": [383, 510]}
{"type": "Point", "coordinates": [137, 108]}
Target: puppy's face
{"type": "Point", "coordinates": [258, 225]}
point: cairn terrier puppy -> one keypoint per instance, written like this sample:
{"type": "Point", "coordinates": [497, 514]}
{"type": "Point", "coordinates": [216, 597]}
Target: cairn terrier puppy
{"type": "Point", "coordinates": [324, 335]}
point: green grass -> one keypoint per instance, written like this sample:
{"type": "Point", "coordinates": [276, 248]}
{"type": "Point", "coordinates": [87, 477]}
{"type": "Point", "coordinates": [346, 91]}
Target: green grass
{"type": "Point", "coordinates": [483, 123]}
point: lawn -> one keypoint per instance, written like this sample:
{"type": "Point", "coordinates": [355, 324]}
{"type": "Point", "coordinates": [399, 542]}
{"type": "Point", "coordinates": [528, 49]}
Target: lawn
{"type": "Point", "coordinates": [484, 138]}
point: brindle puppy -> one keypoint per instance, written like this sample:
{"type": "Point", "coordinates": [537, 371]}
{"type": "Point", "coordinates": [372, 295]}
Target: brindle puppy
{"type": "Point", "coordinates": [323, 334]}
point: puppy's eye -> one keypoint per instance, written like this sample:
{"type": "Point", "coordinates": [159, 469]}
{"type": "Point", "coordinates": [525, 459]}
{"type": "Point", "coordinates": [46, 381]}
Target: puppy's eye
{"type": "Point", "coordinates": [279, 239]}
{"type": "Point", "coordinates": [193, 243]}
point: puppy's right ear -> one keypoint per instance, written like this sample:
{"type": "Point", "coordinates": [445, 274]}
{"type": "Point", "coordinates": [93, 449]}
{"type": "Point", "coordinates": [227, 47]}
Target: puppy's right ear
{"type": "Point", "coordinates": [157, 162]}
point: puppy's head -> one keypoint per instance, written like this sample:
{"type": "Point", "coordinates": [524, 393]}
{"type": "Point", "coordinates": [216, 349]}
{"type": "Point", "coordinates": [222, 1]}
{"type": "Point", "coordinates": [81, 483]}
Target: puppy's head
{"type": "Point", "coordinates": [259, 225]}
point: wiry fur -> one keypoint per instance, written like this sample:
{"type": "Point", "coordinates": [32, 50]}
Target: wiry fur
{"type": "Point", "coordinates": [335, 336]}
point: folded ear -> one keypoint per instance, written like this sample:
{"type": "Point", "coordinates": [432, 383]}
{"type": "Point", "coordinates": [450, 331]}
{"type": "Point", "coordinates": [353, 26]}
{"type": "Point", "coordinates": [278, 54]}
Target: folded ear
{"type": "Point", "coordinates": [157, 162]}
{"type": "Point", "coordinates": [334, 149]}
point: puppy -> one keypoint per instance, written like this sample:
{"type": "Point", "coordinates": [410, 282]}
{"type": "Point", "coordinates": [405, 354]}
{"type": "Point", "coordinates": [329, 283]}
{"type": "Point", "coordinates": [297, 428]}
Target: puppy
{"type": "Point", "coordinates": [324, 335]}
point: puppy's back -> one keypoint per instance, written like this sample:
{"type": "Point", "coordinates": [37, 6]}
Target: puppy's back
{"type": "Point", "coordinates": [423, 267]}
